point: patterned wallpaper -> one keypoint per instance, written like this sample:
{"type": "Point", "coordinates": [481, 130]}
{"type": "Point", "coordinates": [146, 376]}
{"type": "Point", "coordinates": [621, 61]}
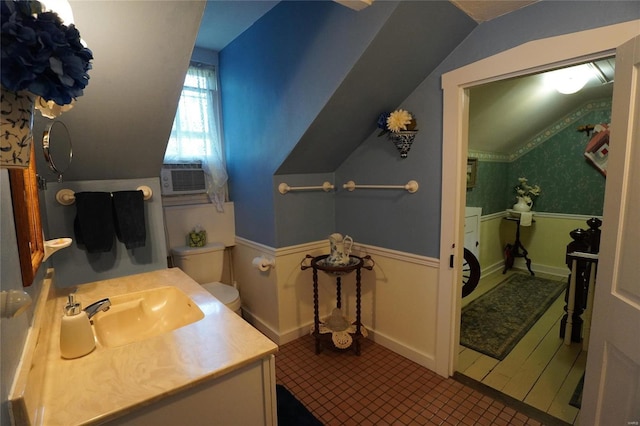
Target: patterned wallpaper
{"type": "Point", "coordinates": [552, 159]}
{"type": "Point", "coordinates": [492, 183]}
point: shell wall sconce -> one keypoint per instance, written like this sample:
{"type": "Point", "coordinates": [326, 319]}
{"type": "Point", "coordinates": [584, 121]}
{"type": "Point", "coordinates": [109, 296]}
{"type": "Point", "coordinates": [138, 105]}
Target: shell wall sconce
{"type": "Point", "coordinates": [400, 126]}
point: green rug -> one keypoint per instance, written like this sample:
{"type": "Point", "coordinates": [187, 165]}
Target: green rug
{"type": "Point", "coordinates": [496, 321]}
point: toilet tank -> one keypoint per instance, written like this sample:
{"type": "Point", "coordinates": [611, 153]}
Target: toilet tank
{"type": "Point", "coordinates": [203, 264]}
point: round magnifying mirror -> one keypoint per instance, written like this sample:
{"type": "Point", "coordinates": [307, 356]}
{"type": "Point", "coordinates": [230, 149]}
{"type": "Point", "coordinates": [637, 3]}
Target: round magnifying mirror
{"type": "Point", "coordinates": [56, 144]}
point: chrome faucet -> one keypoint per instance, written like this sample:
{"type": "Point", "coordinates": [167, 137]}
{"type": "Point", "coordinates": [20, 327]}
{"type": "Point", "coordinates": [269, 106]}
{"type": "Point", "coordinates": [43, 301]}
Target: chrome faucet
{"type": "Point", "coordinates": [101, 305]}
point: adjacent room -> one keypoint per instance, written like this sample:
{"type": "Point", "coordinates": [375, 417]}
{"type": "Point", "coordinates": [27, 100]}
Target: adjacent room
{"type": "Point", "coordinates": [531, 128]}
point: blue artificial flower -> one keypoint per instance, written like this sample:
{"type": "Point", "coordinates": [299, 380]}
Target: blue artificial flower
{"type": "Point", "coordinates": [382, 123]}
{"type": "Point", "coordinates": [41, 54]}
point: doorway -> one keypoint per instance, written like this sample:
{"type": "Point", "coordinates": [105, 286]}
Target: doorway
{"type": "Point", "coordinates": [524, 127]}
{"type": "Point", "coordinates": [526, 59]}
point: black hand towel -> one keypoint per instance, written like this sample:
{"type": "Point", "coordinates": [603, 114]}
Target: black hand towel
{"type": "Point", "coordinates": [128, 209]}
{"type": "Point", "coordinates": [93, 225]}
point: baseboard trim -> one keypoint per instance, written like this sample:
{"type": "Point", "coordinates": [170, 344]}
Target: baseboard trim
{"type": "Point", "coordinates": [261, 326]}
{"type": "Point", "coordinates": [273, 335]}
{"type": "Point", "coordinates": [492, 269]}
{"type": "Point", "coordinates": [425, 360]}
{"type": "Point", "coordinates": [414, 355]}
{"type": "Point", "coordinates": [521, 265]}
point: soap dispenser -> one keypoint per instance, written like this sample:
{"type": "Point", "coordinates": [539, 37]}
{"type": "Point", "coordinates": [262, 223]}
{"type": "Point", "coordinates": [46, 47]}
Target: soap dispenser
{"type": "Point", "coordinates": [76, 335]}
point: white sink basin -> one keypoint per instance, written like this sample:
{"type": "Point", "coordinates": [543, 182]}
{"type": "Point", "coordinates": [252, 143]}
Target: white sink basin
{"type": "Point", "coordinates": [141, 315]}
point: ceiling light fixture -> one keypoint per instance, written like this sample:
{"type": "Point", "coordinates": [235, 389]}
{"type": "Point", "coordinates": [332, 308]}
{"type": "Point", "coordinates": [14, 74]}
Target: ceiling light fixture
{"type": "Point", "coordinates": [598, 72]}
{"type": "Point", "coordinates": [569, 80]}
{"type": "Point", "coordinates": [62, 8]}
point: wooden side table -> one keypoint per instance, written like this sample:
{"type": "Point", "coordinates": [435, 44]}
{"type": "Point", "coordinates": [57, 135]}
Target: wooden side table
{"type": "Point", "coordinates": [355, 264]}
{"type": "Point", "coordinates": [512, 251]}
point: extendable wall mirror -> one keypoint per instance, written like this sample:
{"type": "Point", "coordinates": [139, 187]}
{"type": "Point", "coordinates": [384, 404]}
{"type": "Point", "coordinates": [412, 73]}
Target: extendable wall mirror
{"type": "Point", "coordinates": [56, 144]}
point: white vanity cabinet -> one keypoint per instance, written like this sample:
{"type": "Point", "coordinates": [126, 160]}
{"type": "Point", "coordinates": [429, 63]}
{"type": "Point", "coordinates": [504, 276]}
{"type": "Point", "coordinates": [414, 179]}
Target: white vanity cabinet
{"type": "Point", "coordinates": [243, 397]}
{"type": "Point", "coordinates": [218, 370]}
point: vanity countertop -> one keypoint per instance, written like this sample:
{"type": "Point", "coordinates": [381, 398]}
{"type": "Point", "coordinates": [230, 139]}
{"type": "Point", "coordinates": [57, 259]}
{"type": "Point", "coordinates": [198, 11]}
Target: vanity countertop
{"type": "Point", "coordinates": [110, 382]}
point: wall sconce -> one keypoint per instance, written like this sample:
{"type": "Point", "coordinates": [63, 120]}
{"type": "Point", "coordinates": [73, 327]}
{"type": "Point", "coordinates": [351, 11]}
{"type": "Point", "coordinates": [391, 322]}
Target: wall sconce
{"type": "Point", "coordinates": [13, 303]}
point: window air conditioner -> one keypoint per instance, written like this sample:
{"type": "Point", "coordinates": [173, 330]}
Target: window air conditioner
{"type": "Point", "coordinates": [183, 179]}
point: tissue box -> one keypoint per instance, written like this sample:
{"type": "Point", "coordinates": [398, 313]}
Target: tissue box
{"type": "Point", "coordinates": [197, 239]}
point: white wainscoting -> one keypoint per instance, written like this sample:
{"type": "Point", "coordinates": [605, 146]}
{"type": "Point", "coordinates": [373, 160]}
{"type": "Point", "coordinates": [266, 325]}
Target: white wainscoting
{"type": "Point", "coordinates": [545, 241]}
{"type": "Point", "coordinates": [398, 296]}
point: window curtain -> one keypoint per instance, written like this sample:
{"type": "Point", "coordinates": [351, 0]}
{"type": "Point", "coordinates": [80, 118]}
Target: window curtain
{"type": "Point", "coordinates": [197, 135]}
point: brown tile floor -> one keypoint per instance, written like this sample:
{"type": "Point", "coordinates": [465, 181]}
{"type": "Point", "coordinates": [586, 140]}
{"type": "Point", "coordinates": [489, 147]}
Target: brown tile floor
{"type": "Point", "coordinates": [380, 387]}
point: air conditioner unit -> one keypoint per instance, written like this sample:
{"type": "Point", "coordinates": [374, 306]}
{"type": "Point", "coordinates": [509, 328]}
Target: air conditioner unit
{"type": "Point", "coordinates": [183, 179]}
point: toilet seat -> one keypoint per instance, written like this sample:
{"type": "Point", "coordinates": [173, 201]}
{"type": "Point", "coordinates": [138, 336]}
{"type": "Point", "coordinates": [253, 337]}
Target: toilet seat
{"type": "Point", "coordinates": [226, 294]}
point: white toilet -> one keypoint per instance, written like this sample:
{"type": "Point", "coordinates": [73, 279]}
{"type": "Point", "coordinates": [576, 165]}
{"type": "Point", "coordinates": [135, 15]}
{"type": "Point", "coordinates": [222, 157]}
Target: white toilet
{"type": "Point", "coordinates": [204, 265]}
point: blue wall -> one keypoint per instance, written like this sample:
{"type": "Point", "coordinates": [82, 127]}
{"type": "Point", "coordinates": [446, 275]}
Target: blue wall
{"type": "Point", "coordinates": [412, 222]}
{"type": "Point", "coordinates": [13, 331]}
{"type": "Point", "coordinates": [265, 118]}
{"type": "Point", "coordinates": [75, 266]}
{"type": "Point", "coordinates": [276, 77]}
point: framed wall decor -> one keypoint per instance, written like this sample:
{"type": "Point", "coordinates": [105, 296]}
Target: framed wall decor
{"type": "Point", "coordinates": [26, 213]}
{"type": "Point", "coordinates": [472, 171]}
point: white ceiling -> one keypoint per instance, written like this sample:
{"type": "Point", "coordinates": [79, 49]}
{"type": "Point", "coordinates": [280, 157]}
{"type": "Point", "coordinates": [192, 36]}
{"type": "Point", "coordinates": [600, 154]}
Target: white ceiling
{"type": "Point", "coordinates": [507, 114]}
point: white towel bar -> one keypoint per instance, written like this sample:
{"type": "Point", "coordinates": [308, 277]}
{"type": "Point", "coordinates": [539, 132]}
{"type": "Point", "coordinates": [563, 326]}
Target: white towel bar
{"type": "Point", "coordinates": [411, 186]}
{"type": "Point", "coordinates": [283, 188]}
{"type": "Point", "coordinates": [66, 197]}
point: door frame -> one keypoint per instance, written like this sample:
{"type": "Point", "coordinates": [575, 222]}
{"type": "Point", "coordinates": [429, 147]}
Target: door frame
{"type": "Point", "coordinates": [528, 58]}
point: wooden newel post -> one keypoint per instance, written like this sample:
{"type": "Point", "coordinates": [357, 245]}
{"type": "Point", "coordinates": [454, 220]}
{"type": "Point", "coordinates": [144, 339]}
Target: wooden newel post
{"type": "Point", "coordinates": [584, 241]}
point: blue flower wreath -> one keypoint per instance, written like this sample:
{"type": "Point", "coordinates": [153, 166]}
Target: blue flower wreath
{"type": "Point", "coordinates": [41, 54]}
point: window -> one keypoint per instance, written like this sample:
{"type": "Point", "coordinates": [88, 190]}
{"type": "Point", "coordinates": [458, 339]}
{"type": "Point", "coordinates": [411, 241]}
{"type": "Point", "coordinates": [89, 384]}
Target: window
{"type": "Point", "coordinates": [196, 135]}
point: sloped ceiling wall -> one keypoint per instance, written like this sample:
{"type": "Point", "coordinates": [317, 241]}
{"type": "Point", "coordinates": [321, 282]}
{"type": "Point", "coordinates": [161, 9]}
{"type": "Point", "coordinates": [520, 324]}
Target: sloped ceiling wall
{"type": "Point", "coordinates": [120, 127]}
{"type": "Point", "coordinates": [304, 86]}
{"type": "Point", "coordinates": [413, 41]}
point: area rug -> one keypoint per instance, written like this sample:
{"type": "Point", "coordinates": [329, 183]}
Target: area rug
{"type": "Point", "coordinates": [576, 398]}
{"type": "Point", "coordinates": [496, 321]}
{"type": "Point", "coordinates": [291, 412]}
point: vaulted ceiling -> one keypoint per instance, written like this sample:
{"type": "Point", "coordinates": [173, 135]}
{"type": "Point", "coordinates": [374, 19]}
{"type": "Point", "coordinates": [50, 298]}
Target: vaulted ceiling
{"type": "Point", "coordinates": [507, 114]}
{"type": "Point", "coordinates": [493, 103]}
{"type": "Point", "coordinates": [224, 20]}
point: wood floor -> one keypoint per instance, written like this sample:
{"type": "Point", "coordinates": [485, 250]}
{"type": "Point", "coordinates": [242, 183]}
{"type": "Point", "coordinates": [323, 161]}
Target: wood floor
{"type": "Point", "coordinates": [540, 371]}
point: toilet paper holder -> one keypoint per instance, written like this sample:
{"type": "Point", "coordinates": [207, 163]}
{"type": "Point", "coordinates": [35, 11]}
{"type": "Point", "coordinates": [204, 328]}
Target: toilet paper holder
{"type": "Point", "coordinates": [263, 263]}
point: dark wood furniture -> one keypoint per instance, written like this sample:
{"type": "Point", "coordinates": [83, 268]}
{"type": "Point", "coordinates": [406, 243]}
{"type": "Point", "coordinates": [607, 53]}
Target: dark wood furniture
{"type": "Point", "coordinates": [26, 214]}
{"type": "Point", "coordinates": [581, 279]}
{"type": "Point", "coordinates": [318, 264]}
{"type": "Point", "coordinates": [511, 251]}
